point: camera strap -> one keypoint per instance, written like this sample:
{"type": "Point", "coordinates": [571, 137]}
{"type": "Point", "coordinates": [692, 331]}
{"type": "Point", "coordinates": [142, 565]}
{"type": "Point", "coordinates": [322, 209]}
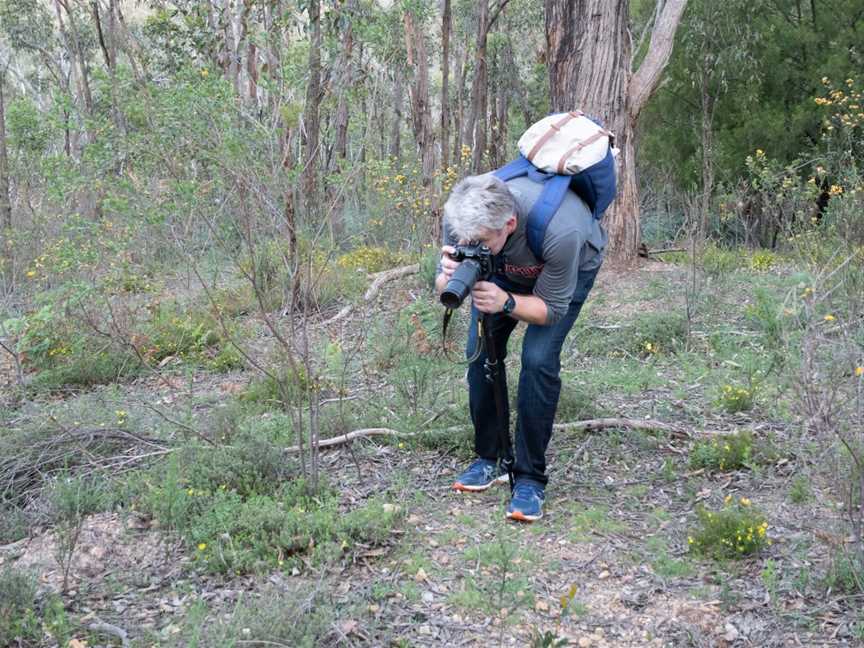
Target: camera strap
{"type": "Point", "coordinates": [448, 315]}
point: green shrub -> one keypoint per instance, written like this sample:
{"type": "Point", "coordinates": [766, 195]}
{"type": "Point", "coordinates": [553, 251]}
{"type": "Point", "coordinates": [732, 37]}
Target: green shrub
{"type": "Point", "coordinates": [300, 618]}
{"type": "Point", "coordinates": [241, 509]}
{"type": "Point", "coordinates": [24, 618]}
{"type": "Point", "coordinates": [14, 524]}
{"type": "Point", "coordinates": [736, 398]}
{"type": "Point", "coordinates": [718, 262]}
{"type": "Point", "coordinates": [762, 260]}
{"type": "Point", "coordinates": [729, 452]}
{"type": "Point", "coordinates": [845, 572]}
{"type": "Point", "coordinates": [736, 530]}
{"type": "Point", "coordinates": [371, 259]}
{"type": "Point", "coordinates": [192, 333]}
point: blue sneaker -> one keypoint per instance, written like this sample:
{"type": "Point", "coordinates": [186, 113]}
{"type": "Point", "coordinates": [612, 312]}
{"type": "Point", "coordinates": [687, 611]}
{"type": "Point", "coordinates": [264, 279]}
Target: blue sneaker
{"type": "Point", "coordinates": [526, 504]}
{"type": "Point", "coordinates": [481, 474]}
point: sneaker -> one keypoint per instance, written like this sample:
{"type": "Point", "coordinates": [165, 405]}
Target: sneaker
{"type": "Point", "coordinates": [526, 504]}
{"type": "Point", "coordinates": [480, 475]}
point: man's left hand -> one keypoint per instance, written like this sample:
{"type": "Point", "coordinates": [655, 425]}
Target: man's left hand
{"type": "Point", "coordinates": [488, 297]}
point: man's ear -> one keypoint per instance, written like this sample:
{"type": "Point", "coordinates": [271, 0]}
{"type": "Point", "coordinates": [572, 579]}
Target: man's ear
{"type": "Point", "coordinates": [510, 225]}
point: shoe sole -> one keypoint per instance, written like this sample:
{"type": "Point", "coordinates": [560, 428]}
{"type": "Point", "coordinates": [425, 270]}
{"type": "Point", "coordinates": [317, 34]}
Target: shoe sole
{"type": "Point", "coordinates": [519, 516]}
{"type": "Point", "coordinates": [459, 486]}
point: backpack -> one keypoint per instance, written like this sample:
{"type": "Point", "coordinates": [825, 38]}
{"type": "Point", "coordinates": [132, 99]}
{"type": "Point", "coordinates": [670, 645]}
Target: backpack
{"type": "Point", "coordinates": [564, 151]}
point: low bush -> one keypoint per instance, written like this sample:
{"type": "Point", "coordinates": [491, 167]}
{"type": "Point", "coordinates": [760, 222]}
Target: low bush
{"type": "Point", "coordinates": [737, 529]}
{"type": "Point", "coordinates": [242, 509]}
{"type": "Point", "coordinates": [25, 618]}
{"type": "Point", "coordinates": [729, 452]}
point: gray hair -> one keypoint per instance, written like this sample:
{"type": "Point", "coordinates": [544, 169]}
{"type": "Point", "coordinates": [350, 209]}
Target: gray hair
{"type": "Point", "coordinates": [477, 203]}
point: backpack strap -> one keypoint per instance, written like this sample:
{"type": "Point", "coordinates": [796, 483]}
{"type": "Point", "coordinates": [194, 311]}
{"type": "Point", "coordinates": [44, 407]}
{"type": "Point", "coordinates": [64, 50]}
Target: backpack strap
{"type": "Point", "coordinates": [542, 211]}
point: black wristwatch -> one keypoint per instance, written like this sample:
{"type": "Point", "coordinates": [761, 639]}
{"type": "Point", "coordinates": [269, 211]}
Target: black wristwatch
{"type": "Point", "coordinates": [509, 305]}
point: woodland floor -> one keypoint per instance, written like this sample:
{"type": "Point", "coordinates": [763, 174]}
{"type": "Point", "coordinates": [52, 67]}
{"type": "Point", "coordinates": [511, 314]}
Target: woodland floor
{"type": "Point", "coordinates": [453, 572]}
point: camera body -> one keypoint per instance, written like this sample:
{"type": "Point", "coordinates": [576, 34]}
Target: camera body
{"type": "Point", "coordinates": [476, 264]}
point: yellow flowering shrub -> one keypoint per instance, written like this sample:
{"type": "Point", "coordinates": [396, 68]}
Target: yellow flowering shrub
{"type": "Point", "coordinates": [729, 452]}
{"type": "Point", "coordinates": [735, 398]}
{"type": "Point", "coordinates": [371, 259]}
{"type": "Point", "coordinates": [737, 529]}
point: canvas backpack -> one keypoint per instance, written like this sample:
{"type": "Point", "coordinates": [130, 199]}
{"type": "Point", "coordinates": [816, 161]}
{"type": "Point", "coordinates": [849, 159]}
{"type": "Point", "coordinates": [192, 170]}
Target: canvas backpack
{"type": "Point", "coordinates": [564, 151]}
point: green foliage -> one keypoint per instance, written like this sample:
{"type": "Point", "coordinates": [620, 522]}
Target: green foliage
{"type": "Point", "coordinates": [718, 262]}
{"type": "Point", "coordinates": [26, 618]}
{"type": "Point", "coordinates": [298, 617]}
{"type": "Point", "coordinates": [191, 333]}
{"type": "Point", "coordinates": [845, 572]}
{"type": "Point", "coordinates": [800, 490]}
{"type": "Point", "coordinates": [729, 452]}
{"type": "Point", "coordinates": [241, 509]}
{"type": "Point", "coordinates": [14, 524]}
{"type": "Point", "coordinates": [736, 398]}
{"type": "Point", "coordinates": [736, 530]}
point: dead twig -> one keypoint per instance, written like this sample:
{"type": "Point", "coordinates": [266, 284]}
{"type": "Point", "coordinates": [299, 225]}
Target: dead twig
{"type": "Point", "coordinates": [372, 292]}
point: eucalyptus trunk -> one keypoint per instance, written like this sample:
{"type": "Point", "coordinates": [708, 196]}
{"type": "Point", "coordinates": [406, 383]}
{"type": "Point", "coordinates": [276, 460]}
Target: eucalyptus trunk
{"type": "Point", "coordinates": [421, 111]}
{"type": "Point", "coordinates": [5, 199]}
{"type": "Point", "coordinates": [590, 68]}
{"type": "Point", "coordinates": [446, 26]}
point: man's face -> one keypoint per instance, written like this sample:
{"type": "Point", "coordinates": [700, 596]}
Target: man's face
{"type": "Point", "coordinates": [495, 239]}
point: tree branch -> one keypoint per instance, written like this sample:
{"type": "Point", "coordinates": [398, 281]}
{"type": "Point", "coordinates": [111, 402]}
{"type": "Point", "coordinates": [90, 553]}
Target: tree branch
{"type": "Point", "coordinates": [646, 78]}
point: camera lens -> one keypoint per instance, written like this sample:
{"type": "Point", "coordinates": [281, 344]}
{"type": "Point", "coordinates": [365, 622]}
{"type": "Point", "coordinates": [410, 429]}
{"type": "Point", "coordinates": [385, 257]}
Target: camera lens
{"type": "Point", "coordinates": [460, 284]}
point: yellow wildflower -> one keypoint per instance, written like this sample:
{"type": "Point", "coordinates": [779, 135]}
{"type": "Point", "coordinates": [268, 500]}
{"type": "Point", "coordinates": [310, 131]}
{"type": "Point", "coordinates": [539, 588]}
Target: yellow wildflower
{"type": "Point", "coordinates": [744, 501]}
{"type": "Point", "coordinates": [202, 546]}
{"type": "Point", "coordinates": [859, 371]}
{"type": "Point", "coordinates": [829, 318]}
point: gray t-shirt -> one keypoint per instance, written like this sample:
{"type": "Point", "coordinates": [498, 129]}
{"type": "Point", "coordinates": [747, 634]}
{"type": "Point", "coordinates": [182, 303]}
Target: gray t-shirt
{"type": "Point", "coordinates": [575, 241]}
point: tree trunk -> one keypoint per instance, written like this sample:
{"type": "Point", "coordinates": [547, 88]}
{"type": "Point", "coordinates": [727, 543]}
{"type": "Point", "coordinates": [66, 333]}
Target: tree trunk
{"type": "Point", "coordinates": [475, 124]}
{"type": "Point", "coordinates": [340, 146]}
{"type": "Point", "coordinates": [421, 111]}
{"type": "Point", "coordinates": [707, 156]}
{"type": "Point", "coordinates": [396, 125]}
{"type": "Point", "coordinates": [589, 65]}
{"type": "Point", "coordinates": [311, 116]}
{"type": "Point", "coordinates": [446, 26]}
{"type": "Point", "coordinates": [75, 52]}
{"type": "Point", "coordinates": [5, 198]}
{"type": "Point", "coordinates": [459, 116]}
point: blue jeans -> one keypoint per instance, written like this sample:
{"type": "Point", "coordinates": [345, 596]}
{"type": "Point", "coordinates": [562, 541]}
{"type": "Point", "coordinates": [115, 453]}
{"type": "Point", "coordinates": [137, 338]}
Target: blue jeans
{"type": "Point", "coordinates": [539, 385]}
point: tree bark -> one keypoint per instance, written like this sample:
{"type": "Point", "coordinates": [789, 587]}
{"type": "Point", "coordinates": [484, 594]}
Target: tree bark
{"type": "Point", "coordinates": [421, 111]}
{"type": "Point", "coordinates": [396, 124]}
{"type": "Point", "coordinates": [311, 117]}
{"type": "Point", "coordinates": [5, 198]}
{"type": "Point", "coordinates": [590, 59]}
{"type": "Point", "coordinates": [446, 26]}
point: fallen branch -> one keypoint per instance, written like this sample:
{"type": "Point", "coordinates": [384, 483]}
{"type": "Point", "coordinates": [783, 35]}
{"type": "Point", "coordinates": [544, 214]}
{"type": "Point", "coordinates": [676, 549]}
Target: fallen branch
{"type": "Point", "coordinates": [380, 279]}
{"type": "Point", "coordinates": [356, 434]}
{"type": "Point", "coordinates": [664, 251]}
{"type": "Point", "coordinates": [101, 627]}
{"type": "Point", "coordinates": [589, 425]}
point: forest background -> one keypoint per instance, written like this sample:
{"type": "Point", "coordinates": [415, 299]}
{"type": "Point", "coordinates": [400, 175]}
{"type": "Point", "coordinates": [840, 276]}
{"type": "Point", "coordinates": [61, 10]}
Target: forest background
{"type": "Point", "coordinates": [219, 229]}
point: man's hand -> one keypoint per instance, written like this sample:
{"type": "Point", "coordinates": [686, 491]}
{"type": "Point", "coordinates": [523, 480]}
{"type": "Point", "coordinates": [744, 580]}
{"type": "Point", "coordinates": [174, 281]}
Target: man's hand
{"type": "Point", "coordinates": [488, 297]}
{"type": "Point", "coordinates": [448, 267]}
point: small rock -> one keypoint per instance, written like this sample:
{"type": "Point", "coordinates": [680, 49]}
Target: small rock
{"type": "Point", "coordinates": [731, 632]}
{"type": "Point", "coordinates": [541, 606]}
{"type": "Point", "coordinates": [603, 574]}
{"type": "Point", "coordinates": [425, 630]}
{"type": "Point", "coordinates": [390, 508]}
{"type": "Point", "coordinates": [421, 575]}
{"type": "Point", "coordinates": [428, 597]}
{"type": "Point", "coordinates": [584, 642]}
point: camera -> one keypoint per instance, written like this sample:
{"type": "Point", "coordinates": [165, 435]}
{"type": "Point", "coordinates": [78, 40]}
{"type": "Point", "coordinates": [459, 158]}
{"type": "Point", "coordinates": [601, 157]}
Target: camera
{"type": "Point", "coordinates": [475, 265]}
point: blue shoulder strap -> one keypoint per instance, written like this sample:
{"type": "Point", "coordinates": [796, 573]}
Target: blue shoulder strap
{"type": "Point", "coordinates": [554, 189]}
